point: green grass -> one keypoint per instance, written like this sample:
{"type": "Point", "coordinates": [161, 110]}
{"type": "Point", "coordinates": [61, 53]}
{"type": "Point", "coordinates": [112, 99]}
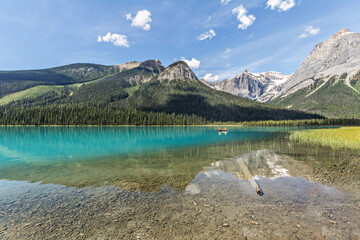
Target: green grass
{"type": "Point", "coordinates": [296, 123]}
{"type": "Point", "coordinates": [29, 93]}
{"type": "Point", "coordinates": [42, 89]}
{"type": "Point", "coordinates": [131, 90]}
{"type": "Point", "coordinates": [76, 85]}
{"type": "Point", "coordinates": [345, 137]}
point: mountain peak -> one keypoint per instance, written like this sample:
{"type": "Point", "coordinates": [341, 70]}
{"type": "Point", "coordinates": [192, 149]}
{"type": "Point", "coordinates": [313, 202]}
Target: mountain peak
{"type": "Point", "coordinates": [261, 87]}
{"type": "Point", "coordinates": [338, 55]}
{"type": "Point", "coordinates": [154, 65]}
{"type": "Point", "coordinates": [178, 70]}
{"type": "Point", "coordinates": [128, 65]}
{"type": "Point", "coordinates": [341, 32]}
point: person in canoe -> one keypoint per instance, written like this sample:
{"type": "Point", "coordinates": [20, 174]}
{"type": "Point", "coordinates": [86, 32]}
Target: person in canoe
{"type": "Point", "coordinates": [222, 130]}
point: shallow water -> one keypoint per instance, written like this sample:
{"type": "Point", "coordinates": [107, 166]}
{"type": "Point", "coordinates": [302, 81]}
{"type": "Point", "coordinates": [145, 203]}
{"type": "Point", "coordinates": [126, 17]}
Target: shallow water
{"type": "Point", "coordinates": [170, 182]}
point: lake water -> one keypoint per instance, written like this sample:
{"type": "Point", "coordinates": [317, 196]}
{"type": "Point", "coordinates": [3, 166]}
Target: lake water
{"type": "Point", "coordinates": [171, 183]}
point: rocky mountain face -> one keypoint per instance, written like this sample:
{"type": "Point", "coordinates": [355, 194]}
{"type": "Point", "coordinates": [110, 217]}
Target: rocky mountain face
{"type": "Point", "coordinates": [128, 65]}
{"type": "Point", "coordinates": [145, 89]}
{"type": "Point", "coordinates": [338, 55]}
{"type": "Point", "coordinates": [82, 82]}
{"type": "Point", "coordinates": [177, 90]}
{"type": "Point", "coordinates": [261, 87]}
{"type": "Point", "coordinates": [141, 72]}
{"type": "Point", "coordinates": [328, 80]}
{"type": "Point", "coordinates": [153, 65]}
{"type": "Point", "coordinates": [177, 71]}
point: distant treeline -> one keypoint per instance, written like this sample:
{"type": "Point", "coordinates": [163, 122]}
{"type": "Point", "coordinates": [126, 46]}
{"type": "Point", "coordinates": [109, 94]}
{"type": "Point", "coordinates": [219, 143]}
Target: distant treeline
{"type": "Point", "coordinates": [91, 115]}
{"type": "Point", "coordinates": [308, 122]}
{"type": "Point", "coordinates": [113, 115]}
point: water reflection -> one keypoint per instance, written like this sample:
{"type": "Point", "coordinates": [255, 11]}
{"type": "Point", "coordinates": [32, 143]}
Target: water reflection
{"type": "Point", "coordinates": [137, 158]}
{"type": "Point", "coordinates": [76, 157]}
{"type": "Point", "coordinates": [262, 163]}
{"type": "Point", "coordinates": [180, 188]}
{"type": "Point", "coordinates": [36, 144]}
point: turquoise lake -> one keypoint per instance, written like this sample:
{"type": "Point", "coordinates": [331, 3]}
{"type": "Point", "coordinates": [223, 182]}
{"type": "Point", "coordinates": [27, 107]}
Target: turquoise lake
{"type": "Point", "coordinates": [170, 182]}
{"type": "Point", "coordinates": [89, 155]}
{"type": "Point", "coordinates": [46, 144]}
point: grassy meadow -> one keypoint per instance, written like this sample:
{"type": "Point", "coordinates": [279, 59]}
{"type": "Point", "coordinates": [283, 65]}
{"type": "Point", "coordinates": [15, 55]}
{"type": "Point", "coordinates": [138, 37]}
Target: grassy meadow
{"type": "Point", "coordinates": [29, 93]}
{"type": "Point", "coordinates": [344, 137]}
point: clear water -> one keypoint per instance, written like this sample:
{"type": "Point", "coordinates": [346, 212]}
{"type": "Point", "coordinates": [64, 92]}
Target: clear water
{"type": "Point", "coordinates": [49, 144]}
{"type": "Point", "coordinates": [96, 155]}
{"type": "Point", "coordinates": [178, 179]}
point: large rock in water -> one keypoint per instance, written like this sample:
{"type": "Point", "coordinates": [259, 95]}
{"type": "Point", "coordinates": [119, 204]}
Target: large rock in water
{"type": "Point", "coordinates": [339, 54]}
{"type": "Point", "coordinates": [177, 71]}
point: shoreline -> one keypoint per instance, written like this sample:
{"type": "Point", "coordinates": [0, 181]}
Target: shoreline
{"type": "Point", "coordinates": [267, 123]}
{"type": "Point", "coordinates": [210, 125]}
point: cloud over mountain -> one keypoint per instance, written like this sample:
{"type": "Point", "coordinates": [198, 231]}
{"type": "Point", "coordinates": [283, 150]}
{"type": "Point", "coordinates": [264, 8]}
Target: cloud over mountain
{"type": "Point", "coordinates": [193, 63]}
{"type": "Point", "coordinates": [142, 19]}
{"type": "Point", "coordinates": [118, 40]}
{"type": "Point", "coordinates": [210, 77]}
{"type": "Point", "coordinates": [309, 31]}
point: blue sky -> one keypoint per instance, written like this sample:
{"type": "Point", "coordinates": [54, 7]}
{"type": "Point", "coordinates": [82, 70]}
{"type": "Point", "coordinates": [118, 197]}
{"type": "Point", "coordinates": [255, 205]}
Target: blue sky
{"type": "Point", "coordinates": [224, 37]}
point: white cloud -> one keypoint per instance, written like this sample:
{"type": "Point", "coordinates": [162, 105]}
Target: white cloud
{"type": "Point", "coordinates": [283, 5]}
{"type": "Point", "coordinates": [207, 35]}
{"type": "Point", "coordinates": [224, 2]}
{"type": "Point", "coordinates": [117, 39]}
{"type": "Point", "coordinates": [245, 19]}
{"type": "Point", "coordinates": [309, 31]}
{"type": "Point", "coordinates": [210, 77]}
{"type": "Point", "coordinates": [193, 63]}
{"type": "Point", "coordinates": [142, 19]}
{"type": "Point", "coordinates": [226, 53]}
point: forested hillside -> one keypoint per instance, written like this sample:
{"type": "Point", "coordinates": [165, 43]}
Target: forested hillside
{"type": "Point", "coordinates": [193, 97]}
{"type": "Point", "coordinates": [14, 81]}
{"type": "Point", "coordinates": [144, 94]}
